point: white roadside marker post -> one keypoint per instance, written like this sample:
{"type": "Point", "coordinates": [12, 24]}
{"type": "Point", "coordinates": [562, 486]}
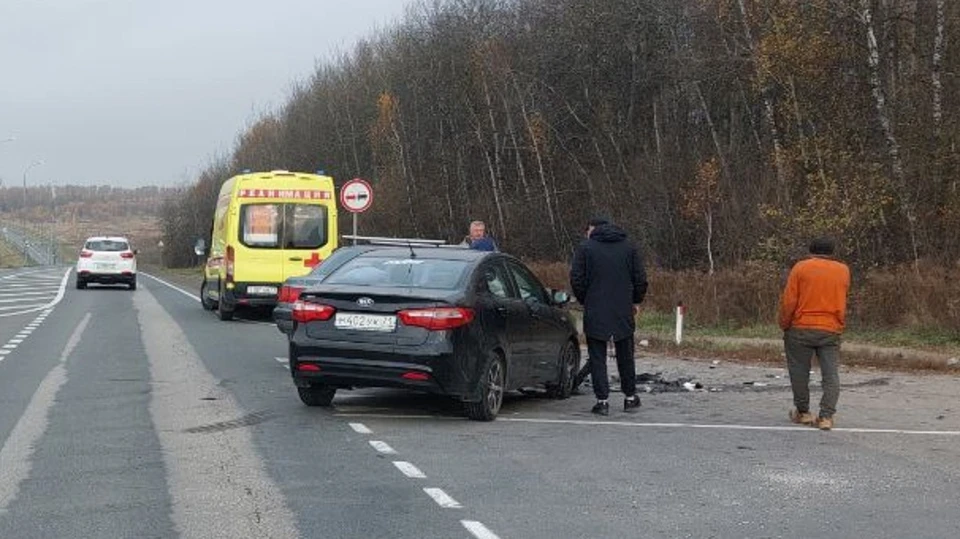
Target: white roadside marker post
{"type": "Point", "coordinates": [681, 310]}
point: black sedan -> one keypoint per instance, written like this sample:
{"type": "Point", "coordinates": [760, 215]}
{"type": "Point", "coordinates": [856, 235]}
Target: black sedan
{"type": "Point", "coordinates": [456, 322]}
{"type": "Point", "coordinates": [293, 286]}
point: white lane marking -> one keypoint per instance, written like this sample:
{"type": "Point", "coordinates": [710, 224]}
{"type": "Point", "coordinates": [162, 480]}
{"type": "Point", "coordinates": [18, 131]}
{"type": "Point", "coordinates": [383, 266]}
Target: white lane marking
{"type": "Point", "coordinates": [409, 470]}
{"type": "Point", "coordinates": [360, 428]}
{"type": "Point", "coordinates": [21, 293]}
{"type": "Point", "coordinates": [725, 427]}
{"type": "Point", "coordinates": [478, 529]}
{"type": "Point", "coordinates": [21, 306]}
{"type": "Point", "coordinates": [383, 447]}
{"type": "Point", "coordinates": [224, 466]}
{"type": "Point", "coordinates": [442, 498]}
{"type": "Point", "coordinates": [5, 352]}
{"type": "Point", "coordinates": [173, 286]}
{"type": "Point", "coordinates": [9, 346]}
{"type": "Point", "coordinates": [47, 308]}
{"type": "Point", "coordinates": [16, 455]}
{"type": "Point", "coordinates": [283, 361]}
{"type": "Point", "coordinates": [15, 341]}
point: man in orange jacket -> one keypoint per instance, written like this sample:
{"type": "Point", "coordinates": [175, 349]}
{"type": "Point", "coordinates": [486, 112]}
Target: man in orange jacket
{"type": "Point", "coordinates": [812, 316]}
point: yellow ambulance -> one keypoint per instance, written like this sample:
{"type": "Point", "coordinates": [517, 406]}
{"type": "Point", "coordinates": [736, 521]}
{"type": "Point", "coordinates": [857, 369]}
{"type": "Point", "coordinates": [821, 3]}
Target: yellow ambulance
{"type": "Point", "coordinates": [268, 226]}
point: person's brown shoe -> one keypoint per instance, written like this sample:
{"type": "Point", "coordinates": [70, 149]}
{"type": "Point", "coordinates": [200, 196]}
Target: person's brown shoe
{"type": "Point", "coordinates": [802, 418]}
{"type": "Point", "coordinates": [824, 423]}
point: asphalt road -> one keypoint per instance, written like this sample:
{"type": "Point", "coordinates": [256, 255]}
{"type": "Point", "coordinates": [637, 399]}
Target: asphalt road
{"type": "Point", "coordinates": [137, 414]}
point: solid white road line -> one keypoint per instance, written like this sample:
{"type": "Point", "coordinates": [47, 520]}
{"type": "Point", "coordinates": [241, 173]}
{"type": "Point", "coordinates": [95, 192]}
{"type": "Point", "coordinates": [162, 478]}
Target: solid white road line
{"type": "Point", "coordinates": [360, 428]}
{"type": "Point", "coordinates": [478, 529]}
{"type": "Point", "coordinates": [725, 427]}
{"type": "Point", "coordinates": [173, 286]}
{"type": "Point", "coordinates": [442, 498]}
{"type": "Point", "coordinates": [17, 451]}
{"type": "Point", "coordinates": [409, 470]}
{"type": "Point", "coordinates": [383, 447]}
{"type": "Point", "coordinates": [222, 466]}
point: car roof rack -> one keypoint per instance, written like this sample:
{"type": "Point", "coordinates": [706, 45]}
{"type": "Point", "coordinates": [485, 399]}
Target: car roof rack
{"type": "Point", "coordinates": [399, 242]}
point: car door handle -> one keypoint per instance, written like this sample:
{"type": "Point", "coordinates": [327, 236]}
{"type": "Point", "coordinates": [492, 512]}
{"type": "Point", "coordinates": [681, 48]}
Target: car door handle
{"type": "Point", "coordinates": [501, 310]}
{"type": "Point", "coordinates": [295, 259]}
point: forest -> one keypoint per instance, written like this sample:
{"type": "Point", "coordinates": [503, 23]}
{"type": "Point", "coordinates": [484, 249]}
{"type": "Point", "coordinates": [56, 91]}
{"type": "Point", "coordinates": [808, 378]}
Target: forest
{"type": "Point", "coordinates": [718, 133]}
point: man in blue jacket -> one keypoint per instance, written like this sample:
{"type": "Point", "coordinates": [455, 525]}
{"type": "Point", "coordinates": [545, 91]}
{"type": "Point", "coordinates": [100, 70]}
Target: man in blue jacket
{"type": "Point", "coordinates": [608, 278]}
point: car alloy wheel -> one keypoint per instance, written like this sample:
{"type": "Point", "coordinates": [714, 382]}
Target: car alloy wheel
{"type": "Point", "coordinates": [492, 384]}
{"type": "Point", "coordinates": [568, 366]}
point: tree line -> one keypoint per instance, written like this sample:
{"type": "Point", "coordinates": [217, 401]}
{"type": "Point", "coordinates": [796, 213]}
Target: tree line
{"type": "Point", "coordinates": [716, 132]}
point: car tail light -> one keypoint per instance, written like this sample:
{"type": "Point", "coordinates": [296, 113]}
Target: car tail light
{"type": "Point", "coordinates": [437, 318]}
{"type": "Point", "coordinates": [416, 376]}
{"type": "Point", "coordinates": [86, 254]}
{"type": "Point", "coordinates": [305, 311]}
{"type": "Point", "coordinates": [308, 367]}
{"type": "Point", "coordinates": [230, 259]}
{"type": "Point", "coordinates": [127, 254]}
{"type": "Point", "coordinates": [289, 294]}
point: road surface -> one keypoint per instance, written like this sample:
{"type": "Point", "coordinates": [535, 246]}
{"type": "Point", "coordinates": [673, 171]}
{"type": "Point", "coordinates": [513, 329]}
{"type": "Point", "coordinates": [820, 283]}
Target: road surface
{"type": "Point", "coordinates": [137, 414]}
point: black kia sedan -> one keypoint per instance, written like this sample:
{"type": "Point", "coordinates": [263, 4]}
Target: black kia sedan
{"type": "Point", "coordinates": [467, 324]}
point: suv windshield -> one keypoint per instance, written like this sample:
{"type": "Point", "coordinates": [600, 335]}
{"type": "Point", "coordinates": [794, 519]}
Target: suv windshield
{"type": "Point", "coordinates": [400, 272]}
{"type": "Point", "coordinates": [107, 245]}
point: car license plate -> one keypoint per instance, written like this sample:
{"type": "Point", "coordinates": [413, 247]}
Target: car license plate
{"type": "Point", "coordinates": [106, 266]}
{"type": "Point", "coordinates": [365, 322]}
{"type": "Point", "coordinates": [262, 290]}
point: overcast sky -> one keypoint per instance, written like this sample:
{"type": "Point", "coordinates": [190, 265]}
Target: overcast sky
{"type": "Point", "coordinates": [145, 92]}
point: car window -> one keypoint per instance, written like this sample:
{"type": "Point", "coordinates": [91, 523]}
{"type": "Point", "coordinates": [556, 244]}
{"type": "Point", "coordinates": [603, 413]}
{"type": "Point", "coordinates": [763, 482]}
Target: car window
{"type": "Point", "coordinates": [305, 226]}
{"type": "Point", "coordinates": [399, 272]}
{"type": "Point", "coordinates": [527, 284]}
{"type": "Point", "coordinates": [260, 225]}
{"type": "Point", "coordinates": [332, 262]}
{"type": "Point", "coordinates": [494, 276]}
{"type": "Point", "coordinates": [107, 245]}
{"type": "Point", "coordinates": [290, 226]}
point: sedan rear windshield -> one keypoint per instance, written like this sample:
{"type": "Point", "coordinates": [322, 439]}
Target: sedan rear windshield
{"type": "Point", "coordinates": [107, 245]}
{"type": "Point", "coordinates": [400, 272]}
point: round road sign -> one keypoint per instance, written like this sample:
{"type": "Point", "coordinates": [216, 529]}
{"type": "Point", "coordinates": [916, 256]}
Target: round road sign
{"type": "Point", "coordinates": [356, 195]}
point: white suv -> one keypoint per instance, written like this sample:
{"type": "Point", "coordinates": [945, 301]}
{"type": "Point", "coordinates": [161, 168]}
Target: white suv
{"type": "Point", "coordinates": [107, 260]}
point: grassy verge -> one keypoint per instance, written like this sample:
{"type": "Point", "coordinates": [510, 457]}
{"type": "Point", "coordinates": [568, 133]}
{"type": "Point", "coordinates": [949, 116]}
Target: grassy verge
{"type": "Point", "coordinates": [10, 257]}
{"type": "Point", "coordinates": [772, 354]}
{"type": "Point", "coordinates": [662, 326]}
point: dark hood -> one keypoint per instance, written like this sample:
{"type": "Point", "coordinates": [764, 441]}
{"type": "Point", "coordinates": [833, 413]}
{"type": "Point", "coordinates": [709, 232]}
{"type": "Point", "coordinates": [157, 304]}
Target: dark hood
{"type": "Point", "coordinates": [608, 234]}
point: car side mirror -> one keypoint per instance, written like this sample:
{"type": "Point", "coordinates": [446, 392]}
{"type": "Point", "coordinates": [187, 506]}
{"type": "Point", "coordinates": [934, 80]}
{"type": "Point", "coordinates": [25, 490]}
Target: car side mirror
{"type": "Point", "coordinates": [560, 297]}
{"type": "Point", "coordinates": [200, 248]}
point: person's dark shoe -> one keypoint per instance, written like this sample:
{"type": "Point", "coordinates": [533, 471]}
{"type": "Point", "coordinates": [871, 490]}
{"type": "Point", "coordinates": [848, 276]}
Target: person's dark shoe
{"type": "Point", "coordinates": [601, 408]}
{"type": "Point", "coordinates": [631, 404]}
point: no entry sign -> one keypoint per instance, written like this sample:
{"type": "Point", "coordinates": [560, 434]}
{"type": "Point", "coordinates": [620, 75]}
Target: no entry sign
{"type": "Point", "coordinates": [356, 195]}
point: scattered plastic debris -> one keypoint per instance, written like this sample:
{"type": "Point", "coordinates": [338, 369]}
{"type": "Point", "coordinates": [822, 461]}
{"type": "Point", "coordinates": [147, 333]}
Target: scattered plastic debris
{"type": "Point", "coordinates": [953, 361]}
{"type": "Point", "coordinates": [644, 342]}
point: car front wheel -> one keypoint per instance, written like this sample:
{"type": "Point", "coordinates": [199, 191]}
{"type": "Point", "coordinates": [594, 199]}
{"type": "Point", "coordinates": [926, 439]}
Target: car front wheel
{"type": "Point", "coordinates": [568, 365]}
{"type": "Point", "coordinates": [491, 388]}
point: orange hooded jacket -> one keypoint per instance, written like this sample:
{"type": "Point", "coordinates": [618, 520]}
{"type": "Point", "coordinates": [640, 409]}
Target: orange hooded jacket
{"type": "Point", "coordinates": [815, 296]}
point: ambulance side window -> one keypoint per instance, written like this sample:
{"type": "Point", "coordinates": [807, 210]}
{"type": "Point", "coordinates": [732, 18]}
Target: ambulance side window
{"type": "Point", "coordinates": [260, 225]}
{"type": "Point", "coordinates": [304, 226]}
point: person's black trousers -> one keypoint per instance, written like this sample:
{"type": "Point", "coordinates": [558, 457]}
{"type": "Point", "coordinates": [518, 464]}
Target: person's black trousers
{"type": "Point", "coordinates": [597, 350]}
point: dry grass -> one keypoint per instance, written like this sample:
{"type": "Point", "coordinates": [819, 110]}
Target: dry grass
{"type": "Point", "coordinates": [892, 303]}
{"type": "Point", "coordinates": [9, 256]}
{"type": "Point", "coordinates": [771, 354]}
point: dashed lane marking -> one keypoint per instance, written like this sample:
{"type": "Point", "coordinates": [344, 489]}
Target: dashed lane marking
{"type": "Point", "coordinates": [478, 529]}
{"type": "Point", "coordinates": [409, 470]}
{"type": "Point", "coordinates": [383, 447]}
{"type": "Point", "coordinates": [360, 428]}
{"type": "Point", "coordinates": [442, 498]}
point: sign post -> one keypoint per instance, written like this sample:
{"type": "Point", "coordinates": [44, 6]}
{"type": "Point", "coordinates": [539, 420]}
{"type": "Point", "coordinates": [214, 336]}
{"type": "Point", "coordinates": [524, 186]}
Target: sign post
{"type": "Point", "coordinates": [356, 196]}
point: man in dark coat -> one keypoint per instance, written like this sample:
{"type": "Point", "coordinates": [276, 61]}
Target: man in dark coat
{"type": "Point", "coordinates": [609, 280]}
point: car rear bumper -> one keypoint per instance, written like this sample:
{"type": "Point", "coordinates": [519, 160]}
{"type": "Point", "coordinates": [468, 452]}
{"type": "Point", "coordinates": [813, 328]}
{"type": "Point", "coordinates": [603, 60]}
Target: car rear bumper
{"type": "Point", "coordinates": [106, 278]}
{"type": "Point", "coordinates": [283, 317]}
{"type": "Point", "coordinates": [433, 373]}
{"type": "Point", "coordinates": [238, 296]}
